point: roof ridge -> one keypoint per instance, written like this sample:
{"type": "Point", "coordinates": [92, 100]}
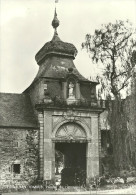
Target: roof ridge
{"type": "Point", "coordinates": [11, 93]}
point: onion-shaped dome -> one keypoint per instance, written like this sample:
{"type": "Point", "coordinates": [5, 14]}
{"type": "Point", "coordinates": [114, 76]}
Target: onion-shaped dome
{"type": "Point", "coordinates": [56, 46]}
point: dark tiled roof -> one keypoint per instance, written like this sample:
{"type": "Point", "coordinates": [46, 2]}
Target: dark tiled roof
{"type": "Point", "coordinates": [16, 111]}
{"type": "Point", "coordinates": [57, 67]}
{"type": "Point", "coordinates": [56, 46]}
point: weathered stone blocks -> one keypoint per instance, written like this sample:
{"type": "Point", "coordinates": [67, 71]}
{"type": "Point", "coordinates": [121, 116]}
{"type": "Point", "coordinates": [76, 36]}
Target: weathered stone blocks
{"type": "Point", "coordinates": [18, 146]}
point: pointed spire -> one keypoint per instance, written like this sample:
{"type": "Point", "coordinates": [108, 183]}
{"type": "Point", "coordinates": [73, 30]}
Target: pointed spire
{"type": "Point", "coordinates": [55, 22]}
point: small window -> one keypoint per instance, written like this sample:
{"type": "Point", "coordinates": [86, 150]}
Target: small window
{"type": "Point", "coordinates": [16, 168]}
{"type": "Point", "coordinates": [45, 86]}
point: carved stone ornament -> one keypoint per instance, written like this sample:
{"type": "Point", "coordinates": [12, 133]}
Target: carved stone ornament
{"type": "Point", "coordinates": [71, 89]}
{"type": "Point", "coordinates": [71, 131]}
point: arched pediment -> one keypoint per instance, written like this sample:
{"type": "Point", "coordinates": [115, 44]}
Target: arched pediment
{"type": "Point", "coordinates": [70, 131]}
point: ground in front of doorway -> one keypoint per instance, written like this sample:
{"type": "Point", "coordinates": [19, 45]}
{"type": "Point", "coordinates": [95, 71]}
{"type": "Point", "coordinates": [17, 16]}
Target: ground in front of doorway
{"type": "Point", "coordinates": [128, 190]}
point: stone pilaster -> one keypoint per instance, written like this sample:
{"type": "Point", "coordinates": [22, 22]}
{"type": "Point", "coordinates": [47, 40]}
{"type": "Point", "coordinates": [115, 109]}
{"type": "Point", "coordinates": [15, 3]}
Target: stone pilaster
{"type": "Point", "coordinates": [53, 162]}
{"type": "Point", "coordinates": [41, 146]}
{"type": "Point", "coordinates": [78, 90]}
{"type": "Point", "coordinates": [93, 150]}
{"type": "Point", "coordinates": [49, 151]}
{"type": "Point", "coordinates": [64, 90]}
{"type": "Point", "coordinates": [99, 137]}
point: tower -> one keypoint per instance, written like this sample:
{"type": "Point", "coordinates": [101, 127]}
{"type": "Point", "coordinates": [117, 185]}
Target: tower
{"type": "Point", "coordinates": [67, 109]}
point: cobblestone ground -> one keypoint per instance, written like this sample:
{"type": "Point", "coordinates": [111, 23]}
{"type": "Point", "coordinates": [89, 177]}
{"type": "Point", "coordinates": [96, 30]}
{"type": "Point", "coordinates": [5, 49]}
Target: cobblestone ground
{"type": "Point", "coordinates": [129, 191]}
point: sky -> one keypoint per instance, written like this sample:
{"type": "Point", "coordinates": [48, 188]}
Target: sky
{"type": "Point", "coordinates": [26, 27]}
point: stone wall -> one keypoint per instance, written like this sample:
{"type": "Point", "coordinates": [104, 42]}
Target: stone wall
{"type": "Point", "coordinates": [18, 146]}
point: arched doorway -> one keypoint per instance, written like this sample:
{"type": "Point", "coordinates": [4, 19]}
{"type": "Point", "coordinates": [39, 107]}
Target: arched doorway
{"type": "Point", "coordinates": [71, 142]}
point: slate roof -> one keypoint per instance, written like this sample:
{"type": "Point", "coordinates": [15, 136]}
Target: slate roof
{"type": "Point", "coordinates": [57, 67]}
{"type": "Point", "coordinates": [57, 47]}
{"type": "Point", "coordinates": [16, 111]}
{"type": "Point", "coordinates": [56, 57]}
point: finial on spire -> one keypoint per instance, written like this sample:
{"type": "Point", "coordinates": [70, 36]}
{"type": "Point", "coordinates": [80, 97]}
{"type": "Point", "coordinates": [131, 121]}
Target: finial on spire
{"type": "Point", "coordinates": [55, 22]}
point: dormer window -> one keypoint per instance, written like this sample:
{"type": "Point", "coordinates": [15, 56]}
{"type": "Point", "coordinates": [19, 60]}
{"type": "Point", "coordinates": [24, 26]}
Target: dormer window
{"type": "Point", "coordinates": [45, 86]}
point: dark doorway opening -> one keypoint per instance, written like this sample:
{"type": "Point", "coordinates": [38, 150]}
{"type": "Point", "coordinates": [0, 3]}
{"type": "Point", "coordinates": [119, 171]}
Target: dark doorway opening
{"type": "Point", "coordinates": [71, 157]}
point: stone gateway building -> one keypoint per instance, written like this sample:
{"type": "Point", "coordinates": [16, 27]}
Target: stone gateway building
{"type": "Point", "coordinates": [59, 111]}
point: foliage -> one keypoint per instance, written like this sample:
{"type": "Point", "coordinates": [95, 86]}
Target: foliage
{"type": "Point", "coordinates": [123, 139]}
{"type": "Point", "coordinates": [58, 160]}
{"type": "Point", "coordinates": [113, 47]}
{"type": "Point", "coordinates": [77, 103]}
{"type": "Point", "coordinates": [31, 161]}
{"type": "Point", "coordinates": [73, 176]}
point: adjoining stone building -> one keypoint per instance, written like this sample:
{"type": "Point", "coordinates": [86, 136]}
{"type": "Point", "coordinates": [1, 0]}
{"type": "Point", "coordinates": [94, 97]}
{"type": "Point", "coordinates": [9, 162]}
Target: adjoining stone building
{"type": "Point", "coordinates": [58, 111]}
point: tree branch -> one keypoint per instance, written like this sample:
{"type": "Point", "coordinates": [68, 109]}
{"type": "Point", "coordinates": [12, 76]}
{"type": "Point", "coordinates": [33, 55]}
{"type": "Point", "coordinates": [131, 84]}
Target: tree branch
{"type": "Point", "coordinates": [124, 84]}
{"type": "Point", "coordinates": [125, 38]}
